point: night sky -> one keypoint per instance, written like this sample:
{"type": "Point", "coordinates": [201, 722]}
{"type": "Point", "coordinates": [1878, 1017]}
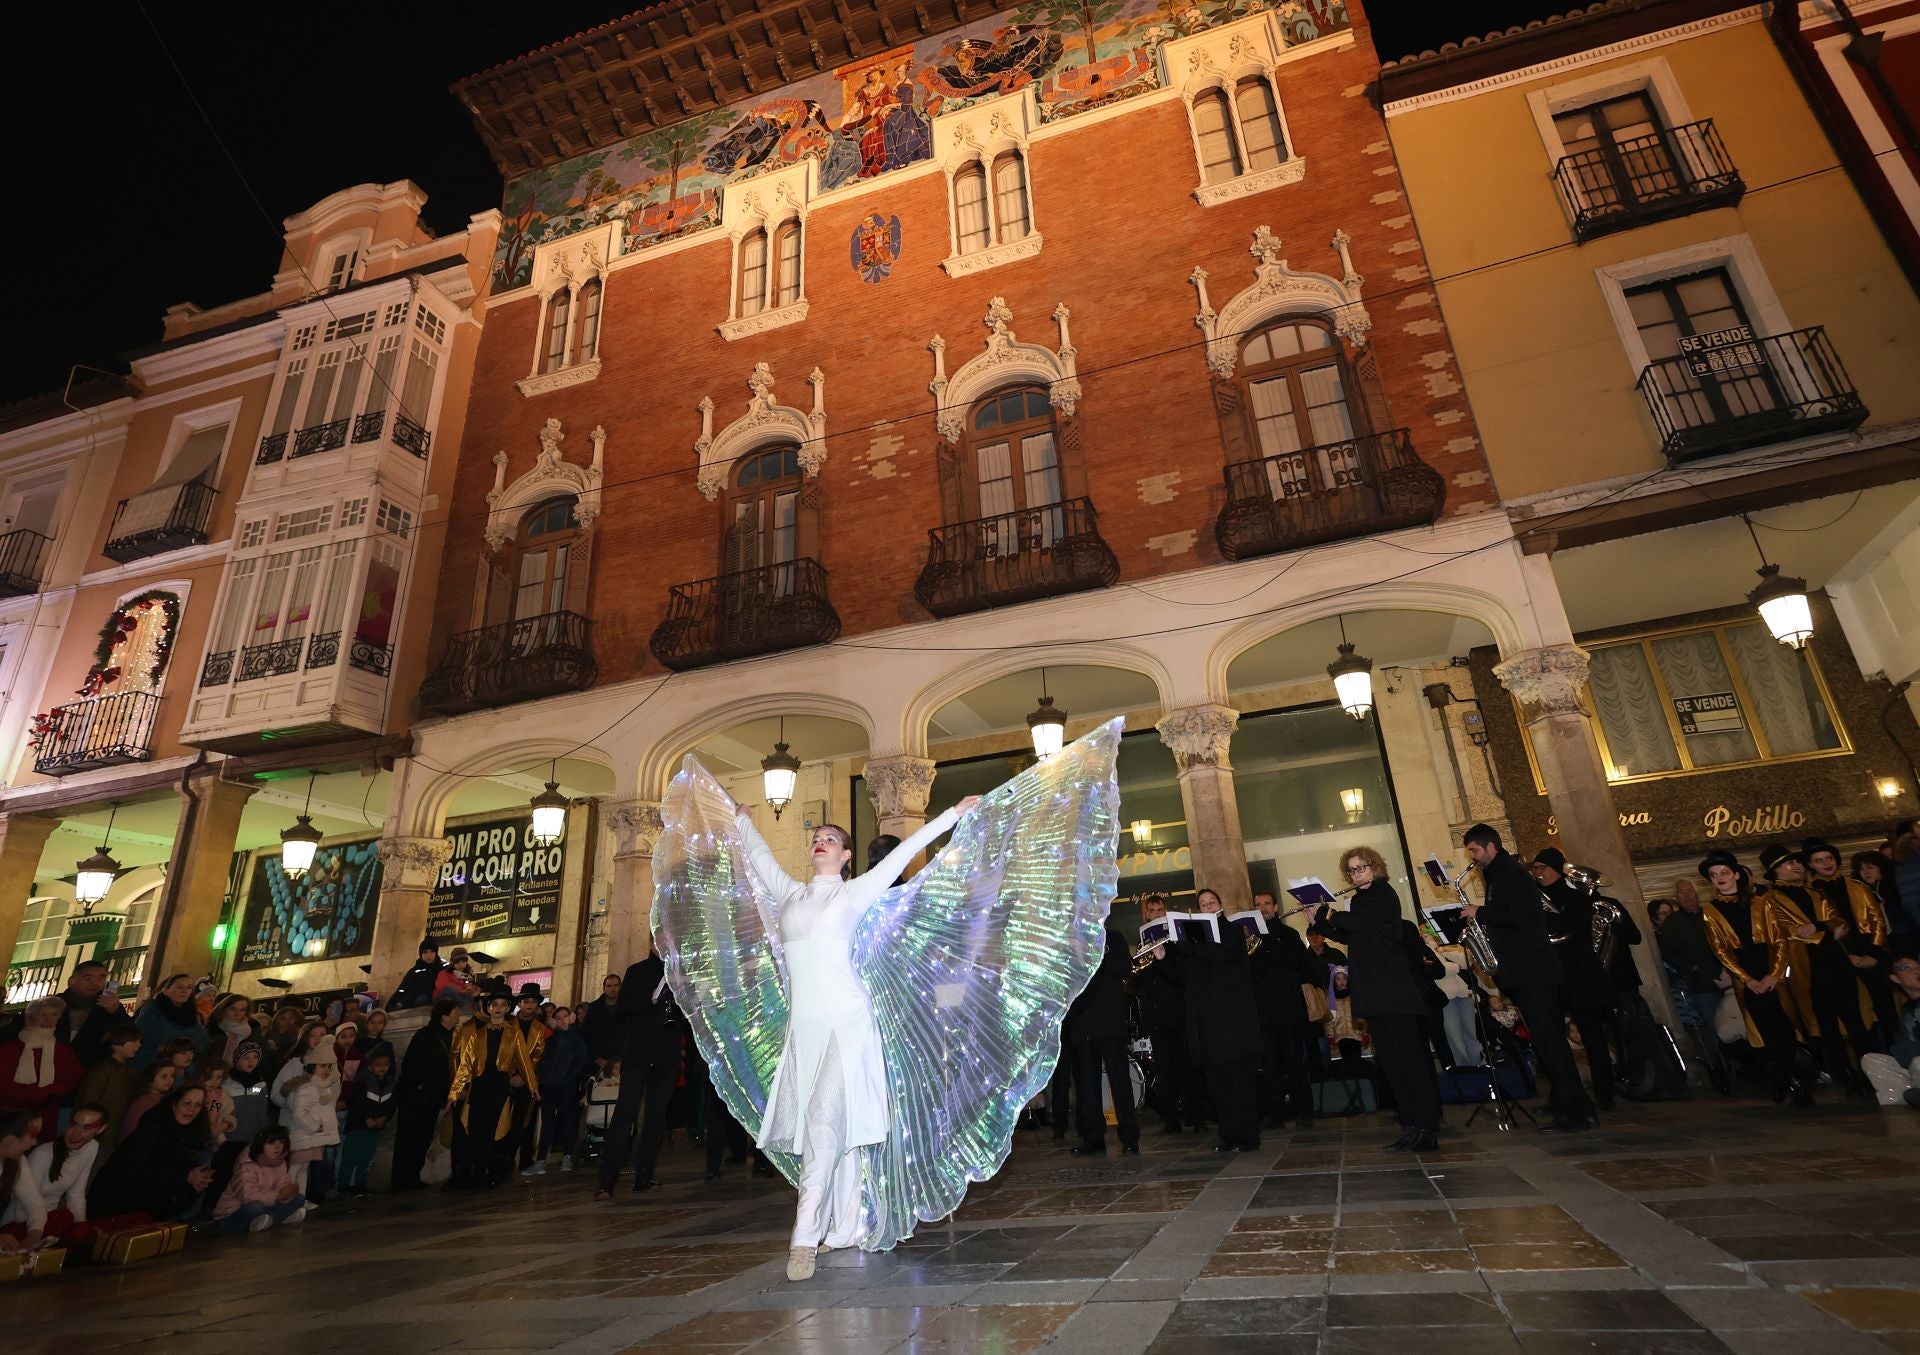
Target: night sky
{"type": "Point", "coordinates": [123, 202]}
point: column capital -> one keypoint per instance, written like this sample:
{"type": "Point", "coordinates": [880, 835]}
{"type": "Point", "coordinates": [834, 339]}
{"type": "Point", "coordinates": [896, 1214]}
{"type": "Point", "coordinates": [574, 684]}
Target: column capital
{"type": "Point", "coordinates": [412, 862]}
{"type": "Point", "coordinates": [1548, 680]}
{"type": "Point", "coordinates": [899, 785]}
{"type": "Point", "coordinates": [1199, 735]}
{"type": "Point", "coordinates": [636, 825]}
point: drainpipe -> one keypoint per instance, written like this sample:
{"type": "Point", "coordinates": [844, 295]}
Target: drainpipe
{"type": "Point", "coordinates": [170, 891]}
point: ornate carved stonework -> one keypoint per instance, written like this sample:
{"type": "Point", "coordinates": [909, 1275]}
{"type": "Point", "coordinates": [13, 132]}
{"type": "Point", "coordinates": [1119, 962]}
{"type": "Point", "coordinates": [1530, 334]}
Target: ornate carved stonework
{"type": "Point", "coordinates": [1279, 290]}
{"type": "Point", "coordinates": [1546, 681]}
{"type": "Point", "coordinates": [961, 265]}
{"type": "Point", "coordinates": [635, 824]}
{"type": "Point", "coordinates": [765, 421]}
{"type": "Point", "coordinates": [899, 786]}
{"type": "Point", "coordinates": [777, 317]}
{"type": "Point", "coordinates": [412, 862]}
{"type": "Point", "coordinates": [552, 475]}
{"type": "Point", "coordinates": [1005, 359]}
{"type": "Point", "coordinates": [1199, 736]}
{"type": "Point", "coordinates": [1246, 185]}
{"type": "Point", "coordinates": [578, 374]}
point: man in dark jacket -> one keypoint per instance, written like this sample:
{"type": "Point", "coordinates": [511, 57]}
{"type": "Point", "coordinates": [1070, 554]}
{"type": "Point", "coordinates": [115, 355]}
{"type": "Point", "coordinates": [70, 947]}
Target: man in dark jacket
{"type": "Point", "coordinates": [1591, 991]}
{"type": "Point", "coordinates": [649, 1067]}
{"type": "Point", "coordinates": [1280, 965]}
{"type": "Point", "coordinates": [426, 1076]}
{"type": "Point", "coordinates": [1095, 1039]}
{"type": "Point", "coordinates": [602, 1025]}
{"type": "Point", "coordinates": [1529, 974]}
{"type": "Point", "coordinates": [1175, 1093]}
{"type": "Point", "coordinates": [416, 985]}
{"type": "Point", "coordinates": [83, 1026]}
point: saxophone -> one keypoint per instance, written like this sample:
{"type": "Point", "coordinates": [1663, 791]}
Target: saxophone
{"type": "Point", "coordinates": [1473, 937]}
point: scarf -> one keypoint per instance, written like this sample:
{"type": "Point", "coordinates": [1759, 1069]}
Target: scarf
{"type": "Point", "coordinates": [178, 1013]}
{"type": "Point", "coordinates": [37, 1053]}
{"type": "Point", "coordinates": [236, 1031]}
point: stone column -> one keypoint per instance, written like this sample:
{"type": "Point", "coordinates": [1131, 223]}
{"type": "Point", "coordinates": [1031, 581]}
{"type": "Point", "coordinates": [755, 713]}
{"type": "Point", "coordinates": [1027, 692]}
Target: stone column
{"type": "Point", "coordinates": [1548, 683]}
{"type": "Point", "coordinates": [23, 838]}
{"type": "Point", "coordinates": [197, 880]}
{"type": "Point", "coordinates": [636, 828]}
{"type": "Point", "coordinates": [409, 869]}
{"type": "Point", "coordinates": [1198, 736]}
{"type": "Point", "coordinates": [899, 787]}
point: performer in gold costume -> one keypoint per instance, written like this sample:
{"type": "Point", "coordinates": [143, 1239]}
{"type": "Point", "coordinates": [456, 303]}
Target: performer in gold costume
{"type": "Point", "coordinates": [488, 1053]}
{"type": "Point", "coordinates": [1744, 932]}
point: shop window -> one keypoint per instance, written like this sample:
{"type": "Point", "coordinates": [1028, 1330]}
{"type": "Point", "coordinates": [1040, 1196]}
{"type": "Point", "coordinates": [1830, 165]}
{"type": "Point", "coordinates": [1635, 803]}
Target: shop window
{"type": "Point", "coordinates": [1708, 698]}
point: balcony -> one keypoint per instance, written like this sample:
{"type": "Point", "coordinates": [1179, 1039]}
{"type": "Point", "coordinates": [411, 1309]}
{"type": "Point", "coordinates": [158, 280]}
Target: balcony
{"type": "Point", "coordinates": [105, 731]}
{"type": "Point", "coordinates": [169, 517]}
{"type": "Point", "coordinates": [738, 615]}
{"type": "Point", "coordinates": [325, 437]}
{"type": "Point", "coordinates": [31, 980]}
{"type": "Point", "coordinates": [274, 660]}
{"type": "Point", "coordinates": [23, 555]}
{"type": "Point", "coordinates": [1665, 173]}
{"type": "Point", "coordinates": [1731, 390]}
{"type": "Point", "coordinates": [520, 660]}
{"type": "Point", "coordinates": [1327, 493]}
{"type": "Point", "coordinates": [1015, 557]}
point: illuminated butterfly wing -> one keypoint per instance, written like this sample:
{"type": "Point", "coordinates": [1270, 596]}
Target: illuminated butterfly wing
{"type": "Point", "coordinates": [718, 932]}
{"type": "Point", "coordinates": [969, 968]}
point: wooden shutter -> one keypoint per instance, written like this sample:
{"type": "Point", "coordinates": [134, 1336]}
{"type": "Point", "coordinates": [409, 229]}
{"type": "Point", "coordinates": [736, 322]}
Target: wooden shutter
{"type": "Point", "coordinates": [1229, 408]}
{"type": "Point", "coordinates": [579, 568]}
{"type": "Point", "coordinates": [1367, 396]}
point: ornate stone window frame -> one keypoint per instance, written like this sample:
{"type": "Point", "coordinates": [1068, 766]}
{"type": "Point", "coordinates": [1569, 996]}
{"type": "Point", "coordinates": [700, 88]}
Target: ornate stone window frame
{"type": "Point", "coordinates": [552, 475]}
{"type": "Point", "coordinates": [1006, 361]}
{"type": "Point", "coordinates": [767, 204]}
{"type": "Point", "coordinates": [1220, 59]}
{"type": "Point", "coordinates": [572, 262]}
{"type": "Point", "coordinates": [980, 135]}
{"type": "Point", "coordinates": [765, 421]}
{"type": "Point", "coordinates": [1278, 289]}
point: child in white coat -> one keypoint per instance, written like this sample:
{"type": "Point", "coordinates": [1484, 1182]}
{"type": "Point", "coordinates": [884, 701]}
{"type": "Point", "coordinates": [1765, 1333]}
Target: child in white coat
{"type": "Point", "coordinates": [312, 1124]}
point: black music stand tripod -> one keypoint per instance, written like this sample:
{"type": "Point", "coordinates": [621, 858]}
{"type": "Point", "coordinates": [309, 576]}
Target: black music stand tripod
{"type": "Point", "coordinates": [1506, 1110]}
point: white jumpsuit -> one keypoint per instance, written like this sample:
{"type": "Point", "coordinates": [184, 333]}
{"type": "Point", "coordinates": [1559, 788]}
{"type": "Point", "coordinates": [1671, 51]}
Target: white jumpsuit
{"type": "Point", "coordinates": [829, 1093]}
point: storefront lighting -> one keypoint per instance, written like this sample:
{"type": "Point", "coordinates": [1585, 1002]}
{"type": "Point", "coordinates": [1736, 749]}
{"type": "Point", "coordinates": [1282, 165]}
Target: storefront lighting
{"type": "Point", "coordinates": [549, 814]}
{"type": "Point", "coordinates": [220, 936]}
{"type": "Point", "coordinates": [1047, 727]}
{"type": "Point", "coordinates": [1352, 678]}
{"type": "Point", "coordinates": [95, 875]}
{"type": "Point", "coordinates": [1781, 599]}
{"type": "Point", "coordinates": [1142, 830]}
{"type": "Point", "coordinates": [779, 773]}
{"type": "Point", "coordinates": [1354, 800]}
{"type": "Point", "coordinates": [299, 843]}
{"type": "Point", "coordinates": [316, 948]}
{"type": "Point", "coordinates": [1889, 787]}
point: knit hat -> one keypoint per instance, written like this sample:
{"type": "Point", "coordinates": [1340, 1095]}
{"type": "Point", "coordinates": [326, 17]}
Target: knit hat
{"type": "Point", "coordinates": [429, 944]}
{"type": "Point", "coordinates": [1774, 853]}
{"type": "Point", "coordinates": [1552, 858]}
{"type": "Point", "coordinates": [1722, 857]}
{"type": "Point", "coordinates": [320, 1053]}
{"type": "Point", "coordinates": [456, 954]}
{"type": "Point", "coordinates": [240, 1050]}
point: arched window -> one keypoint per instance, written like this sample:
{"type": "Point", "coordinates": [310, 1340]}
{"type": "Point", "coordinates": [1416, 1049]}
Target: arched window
{"type": "Point", "coordinates": [1297, 397]}
{"type": "Point", "coordinates": [973, 230]}
{"type": "Point", "coordinates": [1261, 143]}
{"type": "Point", "coordinates": [763, 510]}
{"type": "Point", "coordinates": [559, 311]}
{"type": "Point", "coordinates": [1238, 131]}
{"type": "Point", "coordinates": [990, 205]}
{"type": "Point", "coordinates": [543, 558]}
{"type": "Point", "coordinates": [1010, 211]}
{"type": "Point", "coordinates": [753, 273]}
{"type": "Point", "coordinates": [1014, 443]}
{"type": "Point", "coordinates": [1213, 125]}
{"type": "Point", "coordinates": [786, 252]}
{"type": "Point", "coordinates": [588, 344]}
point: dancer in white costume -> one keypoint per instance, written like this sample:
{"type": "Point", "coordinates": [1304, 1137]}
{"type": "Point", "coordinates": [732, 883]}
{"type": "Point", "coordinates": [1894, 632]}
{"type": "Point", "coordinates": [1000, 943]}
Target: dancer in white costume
{"type": "Point", "coordinates": [829, 1093]}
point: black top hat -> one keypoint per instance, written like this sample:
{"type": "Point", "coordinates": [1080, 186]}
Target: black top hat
{"type": "Point", "coordinates": [1818, 844]}
{"type": "Point", "coordinates": [1774, 853]}
{"type": "Point", "coordinates": [531, 990]}
{"type": "Point", "coordinates": [1552, 858]}
{"type": "Point", "coordinates": [1719, 856]}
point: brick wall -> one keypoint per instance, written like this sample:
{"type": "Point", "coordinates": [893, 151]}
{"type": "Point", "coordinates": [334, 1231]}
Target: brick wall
{"type": "Point", "coordinates": [1113, 200]}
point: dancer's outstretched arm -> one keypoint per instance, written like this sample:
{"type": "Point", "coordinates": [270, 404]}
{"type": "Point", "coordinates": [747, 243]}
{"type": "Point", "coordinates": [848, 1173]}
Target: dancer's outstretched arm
{"type": "Point", "coordinates": [764, 864]}
{"type": "Point", "coordinates": [870, 886]}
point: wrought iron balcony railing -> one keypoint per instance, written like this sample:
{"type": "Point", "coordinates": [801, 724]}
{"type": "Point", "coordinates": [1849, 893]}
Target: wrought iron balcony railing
{"type": "Point", "coordinates": [159, 520]}
{"type": "Point", "coordinates": [322, 437]}
{"type": "Point", "coordinates": [31, 980]}
{"type": "Point", "coordinates": [274, 660]}
{"type": "Point", "coordinates": [411, 436]}
{"type": "Point", "coordinates": [104, 731]}
{"type": "Point", "coordinates": [125, 966]}
{"type": "Point", "coordinates": [749, 612]}
{"type": "Point", "coordinates": [1015, 557]}
{"type": "Point", "coordinates": [23, 555]}
{"type": "Point", "coordinates": [1667, 172]}
{"type": "Point", "coordinates": [217, 669]}
{"type": "Point", "coordinates": [1732, 389]}
{"type": "Point", "coordinates": [520, 660]}
{"type": "Point", "coordinates": [273, 447]}
{"type": "Point", "coordinates": [1327, 493]}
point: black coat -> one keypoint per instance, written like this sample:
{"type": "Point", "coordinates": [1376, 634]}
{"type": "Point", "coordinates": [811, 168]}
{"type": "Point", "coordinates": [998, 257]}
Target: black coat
{"type": "Point", "coordinates": [1684, 945]}
{"type": "Point", "coordinates": [426, 1073]}
{"type": "Point", "coordinates": [1588, 984]}
{"type": "Point", "coordinates": [1516, 924]}
{"type": "Point", "coordinates": [1425, 965]}
{"type": "Point", "coordinates": [147, 1172]}
{"type": "Point", "coordinates": [1100, 1012]}
{"type": "Point", "coordinates": [1380, 968]}
{"type": "Point", "coordinates": [89, 1040]}
{"type": "Point", "coordinates": [1280, 965]}
{"type": "Point", "coordinates": [651, 1029]}
{"type": "Point", "coordinates": [1161, 992]}
{"type": "Point", "coordinates": [1223, 1023]}
{"type": "Point", "coordinates": [602, 1026]}
{"type": "Point", "coordinates": [416, 985]}
{"type": "Point", "coordinates": [1320, 966]}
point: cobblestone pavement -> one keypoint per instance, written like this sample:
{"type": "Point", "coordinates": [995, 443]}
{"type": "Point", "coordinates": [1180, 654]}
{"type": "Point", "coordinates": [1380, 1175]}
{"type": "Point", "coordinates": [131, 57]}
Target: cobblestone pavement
{"type": "Point", "coordinates": [1674, 1230]}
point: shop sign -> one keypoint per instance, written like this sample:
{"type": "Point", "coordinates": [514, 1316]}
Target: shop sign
{"type": "Point", "coordinates": [496, 884]}
{"type": "Point", "coordinates": [1720, 351]}
{"type": "Point", "coordinates": [1709, 713]}
{"type": "Point", "coordinates": [1780, 818]}
{"type": "Point", "coordinates": [1157, 863]}
{"type": "Point", "coordinates": [1632, 818]}
{"type": "Point", "coordinates": [326, 914]}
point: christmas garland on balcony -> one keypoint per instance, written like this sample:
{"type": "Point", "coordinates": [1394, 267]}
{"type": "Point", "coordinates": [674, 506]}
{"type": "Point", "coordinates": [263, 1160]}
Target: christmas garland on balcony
{"type": "Point", "coordinates": [124, 620]}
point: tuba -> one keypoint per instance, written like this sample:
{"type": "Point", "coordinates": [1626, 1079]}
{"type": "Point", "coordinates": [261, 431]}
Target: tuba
{"type": "Point", "coordinates": [1473, 937]}
{"type": "Point", "coordinates": [1605, 937]}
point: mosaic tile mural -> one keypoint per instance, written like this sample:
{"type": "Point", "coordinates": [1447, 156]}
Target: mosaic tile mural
{"type": "Point", "coordinates": [869, 118]}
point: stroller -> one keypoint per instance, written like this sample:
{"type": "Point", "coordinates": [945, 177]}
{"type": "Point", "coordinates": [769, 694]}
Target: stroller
{"type": "Point", "coordinates": [603, 1093]}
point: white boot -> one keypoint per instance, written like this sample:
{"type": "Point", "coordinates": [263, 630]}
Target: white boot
{"type": "Point", "coordinates": [800, 1263]}
{"type": "Point", "coordinates": [261, 1224]}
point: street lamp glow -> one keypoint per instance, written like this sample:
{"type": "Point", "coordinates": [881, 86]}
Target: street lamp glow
{"type": "Point", "coordinates": [549, 817]}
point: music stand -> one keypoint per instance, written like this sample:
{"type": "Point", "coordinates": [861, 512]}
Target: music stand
{"type": "Point", "coordinates": [1506, 1110]}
